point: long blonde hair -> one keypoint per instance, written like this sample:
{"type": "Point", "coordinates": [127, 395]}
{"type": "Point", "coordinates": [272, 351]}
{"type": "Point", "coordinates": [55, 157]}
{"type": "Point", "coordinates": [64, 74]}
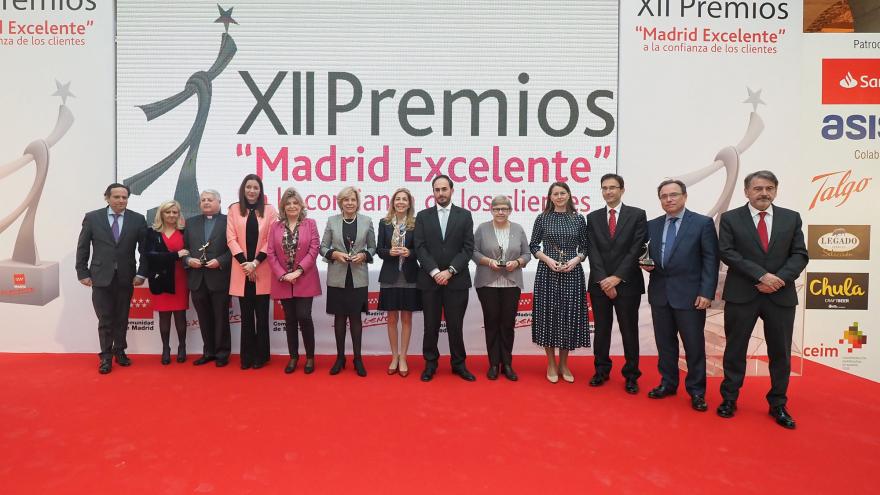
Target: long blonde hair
{"type": "Point", "coordinates": [410, 212]}
{"type": "Point", "coordinates": [158, 223]}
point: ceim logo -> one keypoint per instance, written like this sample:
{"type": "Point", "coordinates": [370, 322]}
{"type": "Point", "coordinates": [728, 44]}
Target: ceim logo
{"type": "Point", "coordinates": [19, 281]}
{"type": "Point", "coordinates": [837, 186]}
{"type": "Point", "coordinates": [850, 81]}
{"type": "Point", "coordinates": [854, 337]}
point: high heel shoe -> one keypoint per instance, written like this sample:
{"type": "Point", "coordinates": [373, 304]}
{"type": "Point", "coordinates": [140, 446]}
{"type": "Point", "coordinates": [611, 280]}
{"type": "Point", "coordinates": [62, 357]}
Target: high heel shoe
{"type": "Point", "coordinates": [553, 377]}
{"type": "Point", "coordinates": [403, 369]}
{"type": "Point", "coordinates": [359, 367]}
{"type": "Point", "coordinates": [166, 355]}
{"type": "Point", "coordinates": [310, 366]}
{"type": "Point", "coordinates": [392, 369]}
{"type": "Point", "coordinates": [338, 366]}
{"type": "Point", "coordinates": [181, 353]}
{"type": "Point", "coordinates": [291, 365]}
{"type": "Point", "coordinates": [567, 376]}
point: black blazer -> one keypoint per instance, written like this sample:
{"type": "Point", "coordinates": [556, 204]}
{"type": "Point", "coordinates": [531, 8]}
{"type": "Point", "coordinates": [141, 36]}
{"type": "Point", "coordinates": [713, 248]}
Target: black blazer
{"type": "Point", "coordinates": [389, 271]}
{"type": "Point", "coordinates": [107, 255]}
{"type": "Point", "coordinates": [618, 256]}
{"type": "Point", "coordinates": [435, 252]}
{"type": "Point", "coordinates": [747, 262]}
{"type": "Point", "coordinates": [217, 280]}
{"type": "Point", "coordinates": [159, 263]}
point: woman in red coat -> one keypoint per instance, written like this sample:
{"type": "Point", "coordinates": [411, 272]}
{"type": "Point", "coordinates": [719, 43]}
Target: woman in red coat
{"type": "Point", "coordinates": [293, 250]}
{"type": "Point", "coordinates": [247, 229]}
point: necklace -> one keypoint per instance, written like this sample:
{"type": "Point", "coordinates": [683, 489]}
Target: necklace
{"type": "Point", "coordinates": [349, 221]}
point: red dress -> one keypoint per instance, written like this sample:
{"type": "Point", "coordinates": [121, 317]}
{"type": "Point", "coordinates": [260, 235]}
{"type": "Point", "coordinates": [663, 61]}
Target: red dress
{"type": "Point", "coordinates": [180, 299]}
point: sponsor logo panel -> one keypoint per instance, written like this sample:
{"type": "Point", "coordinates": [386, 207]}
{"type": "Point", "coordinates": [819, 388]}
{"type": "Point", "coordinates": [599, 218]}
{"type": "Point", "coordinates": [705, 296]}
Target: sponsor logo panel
{"type": "Point", "coordinates": [837, 290]}
{"type": "Point", "coordinates": [835, 242]}
{"type": "Point", "coordinates": [850, 81]}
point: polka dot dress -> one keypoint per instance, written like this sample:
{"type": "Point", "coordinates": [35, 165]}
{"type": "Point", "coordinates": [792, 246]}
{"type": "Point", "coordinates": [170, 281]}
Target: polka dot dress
{"type": "Point", "coordinates": [559, 318]}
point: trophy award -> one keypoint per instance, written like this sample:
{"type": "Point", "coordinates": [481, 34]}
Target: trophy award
{"type": "Point", "coordinates": [559, 258]}
{"type": "Point", "coordinates": [203, 257]}
{"type": "Point", "coordinates": [25, 279]}
{"type": "Point", "coordinates": [349, 245]}
{"type": "Point", "coordinates": [645, 258]}
{"type": "Point", "coordinates": [499, 260]}
{"type": "Point", "coordinates": [398, 239]}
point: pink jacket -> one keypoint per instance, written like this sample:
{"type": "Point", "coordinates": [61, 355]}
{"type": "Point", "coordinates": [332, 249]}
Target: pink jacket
{"type": "Point", "coordinates": [236, 236]}
{"type": "Point", "coordinates": [308, 284]}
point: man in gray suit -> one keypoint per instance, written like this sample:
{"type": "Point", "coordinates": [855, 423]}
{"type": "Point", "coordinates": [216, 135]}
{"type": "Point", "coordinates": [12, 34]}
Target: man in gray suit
{"type": "Point", "coordinates": [208, 276]}
{"type": "Point", "coordinates": [111, 235]}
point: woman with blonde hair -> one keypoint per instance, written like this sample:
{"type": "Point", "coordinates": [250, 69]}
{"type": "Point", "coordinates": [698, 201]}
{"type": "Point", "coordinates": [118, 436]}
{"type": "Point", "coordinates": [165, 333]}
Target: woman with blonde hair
{"type": "Point", "coordinates": [398, 294]}
{"type": "Point", "coordinates": [348, 245]}
{"type": "Point", "coordinates": [164, 252]}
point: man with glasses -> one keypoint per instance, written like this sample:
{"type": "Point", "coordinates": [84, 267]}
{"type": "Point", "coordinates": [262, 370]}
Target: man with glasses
{"type": "Point", "coordinates": [684, 247]}
{"type": "Point", "coordinates": [616, 235]}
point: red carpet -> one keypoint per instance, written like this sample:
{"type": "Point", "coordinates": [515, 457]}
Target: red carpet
{"type": "Point", "coordinates": [156, 429]}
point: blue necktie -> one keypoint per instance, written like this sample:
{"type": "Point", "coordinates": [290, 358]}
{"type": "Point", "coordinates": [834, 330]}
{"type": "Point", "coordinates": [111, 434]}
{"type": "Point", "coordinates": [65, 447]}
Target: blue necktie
{"type": "Point", "coordinates": [115, 227]}
{"type": "Point", "coordinates": [670, 240]}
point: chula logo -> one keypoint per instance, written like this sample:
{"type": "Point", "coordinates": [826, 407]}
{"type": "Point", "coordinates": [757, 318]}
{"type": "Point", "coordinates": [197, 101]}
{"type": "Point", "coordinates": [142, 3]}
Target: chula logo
{"type": "Point", "coordinates": [849, 81]}
{"type": "Point", "coordinates": [844, 188]}
{"type": "Point", "coordinates": [822, 287]}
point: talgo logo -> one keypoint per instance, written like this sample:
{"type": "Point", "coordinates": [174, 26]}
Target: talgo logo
{"type": "Point", "coordinates": [854, 337]}
{"type": "Point", "coordinates": [849, 81]}
{"type": "Point", "coordinates": [837, 186]}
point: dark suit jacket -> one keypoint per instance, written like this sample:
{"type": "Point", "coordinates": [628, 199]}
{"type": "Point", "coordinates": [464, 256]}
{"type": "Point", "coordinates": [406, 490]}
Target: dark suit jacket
{"type": "Point", "coordinates": [107, 255]}
{"type": "Point", "coordinates": [618, 256]}
{"type": "Point", "coordinates": [435, 252]}
{"type": "Point", "coordinates": [692, 269]}
{"type": "Point", "coordinates": [389, 271]}
{"type": "Point", "coordinates": [160, 263]}
{"type": "Point", "coordinates": [217, 280]}
{"type": "Point", "coordinates": [747, 262]}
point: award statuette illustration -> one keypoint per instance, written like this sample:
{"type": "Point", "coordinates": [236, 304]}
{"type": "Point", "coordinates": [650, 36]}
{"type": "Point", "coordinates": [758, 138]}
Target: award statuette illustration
{"type": "Point", "coordinates": [25, 279]}
{"type": "Point", "coordinates": [203, 258]}
{"type": "Point", "coordinates": [199, 84]}
{"type": "Point", "coordinates": [645, 258]}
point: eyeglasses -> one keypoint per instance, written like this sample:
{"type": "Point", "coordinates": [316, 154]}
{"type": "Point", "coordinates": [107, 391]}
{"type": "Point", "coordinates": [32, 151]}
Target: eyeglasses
{"type": "Point", "coordinates": [500, 209]}
{"type": "Point", "coordinates": [610, 188]}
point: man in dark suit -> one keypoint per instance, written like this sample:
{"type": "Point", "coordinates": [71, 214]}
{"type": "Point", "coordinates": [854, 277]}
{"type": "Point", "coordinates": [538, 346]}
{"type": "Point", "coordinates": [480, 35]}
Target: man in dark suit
{"type": "Point", "coordinates": [684, 248]}
{"type": "Point", "coordinates": [616, 236]}
{"type": "Point", "coordinates": [444, 242]}
{"type": "Point", "coordinates": [208, 277]}
{"type": "Point", "coordinates": [763, 248]}
{"type": "Point", "coordinates": [111, 235]}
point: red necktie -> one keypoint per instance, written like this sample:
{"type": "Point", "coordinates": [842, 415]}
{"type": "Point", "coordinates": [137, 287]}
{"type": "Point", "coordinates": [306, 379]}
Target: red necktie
{"type": "Point", "coordinates": [612, 223]}
{"type": "Point", "coordinates": [762, 232]}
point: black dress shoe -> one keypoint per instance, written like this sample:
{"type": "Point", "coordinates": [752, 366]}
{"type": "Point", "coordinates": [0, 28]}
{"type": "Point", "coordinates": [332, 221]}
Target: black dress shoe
{"type": "Point", "coordinates": [631, 387]}
{"type": "Point", "coordinates": [509, 373]}
{"type": "Point", "coordinates": [245, 366]}
{"type": "Point", "coordinates": [291, 365]}
{"type": "Point", "coordinates": [727, 408]}
{"type": "Point", "coordinates": [203, 360]}
{"type": "Point", "coordinates": [338, 366]}
{"type": "Point", "coordinates": [310, 366]}
{"type": "Point", "coordinates": [181, 354]}
{"type": "Point", "coordinates": [598, 380]}
{"type": "Point", "coordinates": [661, 392]}
{"type": "Point", "coordinates": [166, 355]}
{"type": "Point", "coordinates": [106, 366]}
{"type": "Point", "coordinates": [492, 374]}
{"type": "Point", "coordinates": [257, 366]}
{"type": "Point", "coordinates": [359, 367]}
{"type": "Point", "coordinates": [782, 417]}
{"type": "Point", "coordinates": [464, 374]}
{"type": "Point", "coordinates": [221, 363]}
{"type": "Point", "coordinates": [428, 374]}
{"type": "Point", "coordinates": [122, 359]}
{"type": "Point", "coordinates": [698, 402]}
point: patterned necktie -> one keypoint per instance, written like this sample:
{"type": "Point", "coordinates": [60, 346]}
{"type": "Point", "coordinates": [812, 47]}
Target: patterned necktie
{"type": "Point", "coordinates": [762, 232]}
{"type": "Point", "coordinates": [115, 227]}
{"type": "Point", "coordinates": [612, 222]}
{"type": "Point", "coordinates": [670, 240]}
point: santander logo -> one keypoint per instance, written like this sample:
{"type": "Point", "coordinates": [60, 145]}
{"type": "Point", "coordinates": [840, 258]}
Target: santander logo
{"type": "Point", "coordinates": [849, 81]}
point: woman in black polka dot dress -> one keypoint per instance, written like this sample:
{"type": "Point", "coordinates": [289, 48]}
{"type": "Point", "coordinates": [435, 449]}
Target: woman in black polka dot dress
{"type": "Point", "coordinates": [559, 318]}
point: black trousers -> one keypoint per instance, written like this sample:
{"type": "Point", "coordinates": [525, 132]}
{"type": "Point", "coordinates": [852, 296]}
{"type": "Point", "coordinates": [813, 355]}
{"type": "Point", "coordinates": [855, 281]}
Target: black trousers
{"type": "Point", "coordinates": [669, 324]}
{"type": "Point", "coordinates": [451, 303]}
{"type": "Point", "coordinates": [111, 305]}
{"type": "Point", "coordinates": [254, 338]}
{"type": "Point", "coordinates": [212, 309]}
{"type": "Point", "coordinates": [499, 315]}
{"type": "Point", "coordinates": [298, 315]}
{"type": "Point", "coordinates": [739, 321]}
{"type": "Point", "coordinates": [627, 309]}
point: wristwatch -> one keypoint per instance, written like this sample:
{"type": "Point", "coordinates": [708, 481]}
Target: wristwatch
{"type": "Point", "coordinates": [452, 270]}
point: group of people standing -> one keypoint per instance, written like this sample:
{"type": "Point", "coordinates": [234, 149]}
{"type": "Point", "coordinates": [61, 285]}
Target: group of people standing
{"type": "Point", "coordinates": [425, 267]}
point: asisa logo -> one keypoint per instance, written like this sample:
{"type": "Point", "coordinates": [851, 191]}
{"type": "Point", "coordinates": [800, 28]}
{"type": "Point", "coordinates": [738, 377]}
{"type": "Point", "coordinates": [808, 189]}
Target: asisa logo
{"type": "Point", "coordinates": [855, 127]}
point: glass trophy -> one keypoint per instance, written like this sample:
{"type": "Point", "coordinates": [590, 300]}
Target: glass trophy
{"type": "Point", "coordinates": [645, 258]}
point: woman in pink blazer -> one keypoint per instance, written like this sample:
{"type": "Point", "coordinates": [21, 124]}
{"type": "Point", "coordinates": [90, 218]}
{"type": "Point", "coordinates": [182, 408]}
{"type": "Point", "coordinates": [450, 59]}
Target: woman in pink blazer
{"type": "Point", "coordinates": [293, 249]}
{"type": "Point", "coordinates": [247, 229]}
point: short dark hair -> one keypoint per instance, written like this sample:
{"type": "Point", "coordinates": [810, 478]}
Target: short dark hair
{"type": "Point", "coordinates": [442, 177]}
{"type": "Point", "coordinates": [684, 189]}
{"type": "Point", "coordinates": [113, 186]}
{"type": "Point", "coordinates": [616, 177]}
{"type": "Point", "coordinates": [242, 200]}
{"type": "Point", "coordinates": [761, 174]}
